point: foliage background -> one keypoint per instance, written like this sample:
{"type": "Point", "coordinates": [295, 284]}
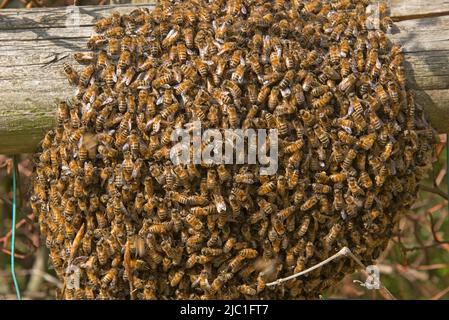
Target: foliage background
{"type": "Point", "coordinates": [415, 264]}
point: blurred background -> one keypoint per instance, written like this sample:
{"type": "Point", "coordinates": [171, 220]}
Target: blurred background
{"type": "Point", "coordinates": [414, 266]}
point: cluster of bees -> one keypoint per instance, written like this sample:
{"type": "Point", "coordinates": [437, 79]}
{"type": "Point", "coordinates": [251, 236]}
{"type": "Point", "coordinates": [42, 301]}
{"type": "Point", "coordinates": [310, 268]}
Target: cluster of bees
{"type": "Point", "coordinates": [353, 148]}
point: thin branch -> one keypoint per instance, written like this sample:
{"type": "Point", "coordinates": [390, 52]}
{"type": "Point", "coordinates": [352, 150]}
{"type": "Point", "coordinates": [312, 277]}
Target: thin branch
{"type": "Point", "coordinates": [440, 295]}
{"type": "Point", "coordinates": [344, 252]}
{"type": "Point", "coordinates": [339, 254]}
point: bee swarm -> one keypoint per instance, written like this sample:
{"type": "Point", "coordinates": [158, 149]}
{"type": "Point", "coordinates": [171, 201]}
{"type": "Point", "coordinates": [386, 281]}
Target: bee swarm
{"type": "Point", "coordinates": [353, 148]}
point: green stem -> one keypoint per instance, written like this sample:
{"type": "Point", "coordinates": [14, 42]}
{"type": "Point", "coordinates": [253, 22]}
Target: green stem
{"type": "Point", "coordinates": [13, 227]}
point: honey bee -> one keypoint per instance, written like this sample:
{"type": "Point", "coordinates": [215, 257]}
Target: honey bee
{"type": "Point", "coordinates": [382, 94]}
{"type": "Point", "coordinates": [109, 277]}
{"type": "Point", "coordinates": [248, 253]}
{"type": "Point", "coordinates": [387, 152]}
{"type": "Point", "coordinates": [322, 135]}
{"type": "Point", "coordinates": [194, 222]}
{"type": "Point", "coordinates": [86, 75]}
{"type": "Point", "coordinates": [287, 80]}
{"type": "Point", "coordinates": [188, 37]}
{"type": "Point", "coordinates": [330, 238]}
{"type": "Point", "coordinates": [267, 188]}
{"type": "Point", "coordinates": [96, 42]}
{"type": "Point", "coordinates": [400, 75]}
{"type": "Point", "coordinates": [392, 91]}
{"type": "Point", "coordinates": [309, 203]}
{"type": "Point", "coordinates": [71, 74]}
{"type": "Point", "coordinates": [347, 83]}
{"type": "Point", "coordinates": [184, 87]}
{"type": "Point", "coordinates": [354, 188]}
{"type": "Point", "coordinates": [344, 48]}
{"type": "Point", "coordinates": [300, 264]}
{"type": "Point", "coordinates": [247, 290]}
{"type": "Point", "coordinates": [350, 156]}
{"type": "Point", "coordinates": [182, 52]}
{"type": "Point", "coordinates": [236, 263]}
{"type": "Point", "coordinates": [366, 142]}
{"type": "Point", "coordinates": [334, 54]}
{"type": "Point", "coordinates": [176, 278]}
{"type": "Point", "coordinates": [124, 60]}
{"type": "Point", "coordinates": [85, 57]}
{"type": "Point", "coordinates": [238, 74]}
{"type": "Point", "coordinates": [102, 25]}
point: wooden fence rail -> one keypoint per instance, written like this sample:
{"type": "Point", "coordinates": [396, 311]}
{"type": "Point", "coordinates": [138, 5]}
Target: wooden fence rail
{"type": "Point", "coordinates": [35, 43]}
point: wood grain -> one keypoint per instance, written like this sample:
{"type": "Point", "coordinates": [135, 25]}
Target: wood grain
{"type": "Point", "coordinates": [414, 9]}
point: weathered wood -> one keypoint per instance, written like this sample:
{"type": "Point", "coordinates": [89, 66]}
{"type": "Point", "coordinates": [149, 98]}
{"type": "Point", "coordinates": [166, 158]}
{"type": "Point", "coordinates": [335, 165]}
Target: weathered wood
{"type": "Point", "coordinates": [426, 48]}
{"type": "Point", "coordinates": [35, 43]}
{"type": "Point", "coordinates": [404, 10]}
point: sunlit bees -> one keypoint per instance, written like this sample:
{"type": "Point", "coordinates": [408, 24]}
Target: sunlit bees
{"type": "Point", "coordinates": [71, 74]}
{"type": "Point", "coordinates": [145, 228]}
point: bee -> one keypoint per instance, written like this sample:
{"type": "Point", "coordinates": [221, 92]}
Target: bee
{"type": "Point", "coordinates": [109, 277]}
{"type": "Point", "coordinates": [102, 253]}
{"type": "Point", "coordinates": [236, 58]}
{"type": "Point", "coordinates": [194, 222]}
{"type": "Point", "coordinates": [85, 57]}
{"type": "Point", "coordinates": [233, 88]}
{"type": "Point", "coordinates": [90, 93]}
{"type": "Point", "coordinates": [344, 48]}
{"type": "Point", "coordinates": [309, 203]}
{"type": "Point", "coordinates": [102, 25]}
{"type": "Point", "coordinates": [248, 253]}
{"type": "Point", "coordinates": [350, 156]}
{"type": "Point", "coordinates": [338, 203]}
{"type": "Point", "coordinates": [188, 37]}
{"type": "Point", "coordinates": [182, 52]}
{"type": "Point", "coordinates": [365, 180]}
{"type": "Point", "coordinates": [330, 238]}
{"type": "Point", "coordinates": [71, 74]}
{"type": "Point", "coordinates": [86, 75]}
{"type": "Point", "coordinates": [113, 48]}
{"type": "Point", "coordinates": [347, 83]}
{"type": "Point", "coordinates": [247, 290]}
{"type": "Point", "coordinates": [392, 91]}
{"type": "Point", "coordinates": [254, 64]}
{"type": "Point", "coordinates": [124, 60]}
{"type": "Point", "coordinates": [400, 75]}
{"type": "Point", "coordinates": [334, 54]}
{"type": "Point", "coordinates": [266, 188]}
{"type": "Point", "coordinates": [236, 263]}
{"type": "Point", "coordinates": [184, 87]}
{"type": "Point", "coordinates": [321, 188]}
{"type": "Point", "coordinates": [386, 24]}
{"type": "Point", "coordinates": [171, 37]}
{"type": "Point", "coordinates": [238, 74]}
{"type": "Point", "coordinates": [382, 95]}
{"type": "Point", "coordinates": [354, 188]}
{"type": "Point", "coordinates": [300, 264]}
{"type": "Point", "coordinates": [96, 42]}
{"type": "Point", "coordinates": [286, 80]}
{"type": "Point", "coordinates": [176, 278]}
{"type": "Point", "coordinates": [366, 142]}
{"type": "Point", "coordinates": [386, 153]}
{"type": "Point", "coordinates": [229, 244]}
{"type": "Point", "coordinates": [322, 135]}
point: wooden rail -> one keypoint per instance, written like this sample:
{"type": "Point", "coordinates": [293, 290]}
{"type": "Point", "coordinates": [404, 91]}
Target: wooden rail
{"type": "Point", "coordinates": [35, 43]}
